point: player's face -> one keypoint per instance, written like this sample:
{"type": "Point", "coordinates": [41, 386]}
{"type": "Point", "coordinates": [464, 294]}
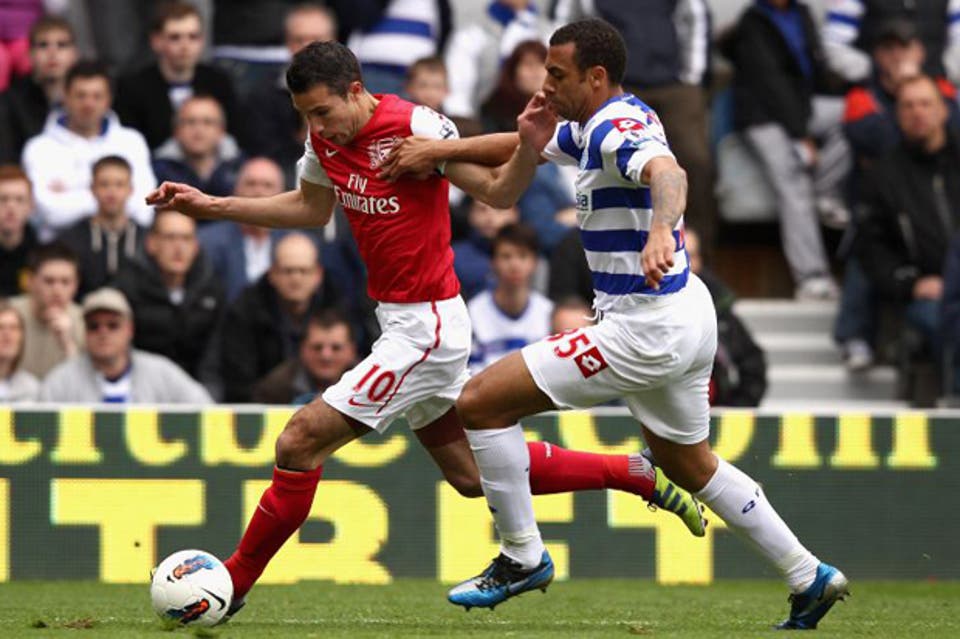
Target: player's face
{"type": "Point", "coordinates": [173, 243]}
{"type": "Point", "coordinates": [513, 265]}
{"type": "Point", "coordinates": [327, 352]}
{"type": "Point", "coordinates": [11, 335]}
{"type": "Point", "coordinates": [180, 43]}
{"type": "Point", "coordinates": [15, 206]}
{"type": "Point", "coordinates": [108, 334]}
{"type": "Point", "coordinates": [87, 101]}
{"type": "Point", "coordinates": [332, 117]}
{"type": "Point", "coordinates": [52, 54]}
{"type": "Point", "coordinates": [54, 284]}
{"type": "Point", "coordinates": [111, 189]}
{"type": "Point", "coordinates": [566, 87]}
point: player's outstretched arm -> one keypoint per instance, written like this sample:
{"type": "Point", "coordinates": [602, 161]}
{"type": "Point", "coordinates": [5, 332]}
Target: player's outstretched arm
{"type": "Point", "coordinates": [418, 155]}
{"type": "Point", "coordinates": [502, 186]}
{"type": "Point", "coordinates": [310, 205]}
{"type": "Point", "coordinates": [668, 193]}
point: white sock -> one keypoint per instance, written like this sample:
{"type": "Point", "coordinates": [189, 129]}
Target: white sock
{"type": "Point", "coordinates": [740, 502]}
{"type": "Point", "coordinates": [504, 463]}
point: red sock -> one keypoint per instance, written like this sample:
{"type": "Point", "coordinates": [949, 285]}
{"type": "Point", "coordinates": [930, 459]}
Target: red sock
{"type": "Point", "coordinates": [283, 508]}
{"type": "Point", "coordinates": [558, 470]}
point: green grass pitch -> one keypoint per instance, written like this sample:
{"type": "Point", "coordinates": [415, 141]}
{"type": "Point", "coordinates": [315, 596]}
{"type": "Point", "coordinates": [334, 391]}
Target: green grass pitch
{"type": "Point", "coordinates": [417, 608]}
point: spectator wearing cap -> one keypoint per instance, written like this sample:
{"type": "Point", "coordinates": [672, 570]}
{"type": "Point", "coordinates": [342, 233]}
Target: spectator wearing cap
{"type": "Point", "coordinates": [851, 27]}
{"type": "Point", "coordinates": [148, 99]}
{"type": "Point", "coordinates": [113, 372]}
{"type": "Point", "coordinates": [52, 322]}
{"type": "Point", "coordinates": [16, 384]}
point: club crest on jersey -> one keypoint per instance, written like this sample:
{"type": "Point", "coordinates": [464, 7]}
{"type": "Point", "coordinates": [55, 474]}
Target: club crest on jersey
{"type": "Point", "coordinates": [379, 150]}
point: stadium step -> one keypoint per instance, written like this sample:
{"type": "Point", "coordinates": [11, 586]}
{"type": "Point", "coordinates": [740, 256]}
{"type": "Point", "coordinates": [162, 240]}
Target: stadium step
{"type": "Point", "coordinates": [804, 367]}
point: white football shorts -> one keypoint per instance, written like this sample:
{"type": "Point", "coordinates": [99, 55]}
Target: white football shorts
{"type": "Point", "coordinates": [657, 356]}
{"type": "Point", "coordinates": [416, 368]}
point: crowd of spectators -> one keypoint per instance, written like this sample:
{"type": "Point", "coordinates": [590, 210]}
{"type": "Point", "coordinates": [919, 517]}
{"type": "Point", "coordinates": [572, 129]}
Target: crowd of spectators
{"type": "Point", "coordinates": [851, 120]}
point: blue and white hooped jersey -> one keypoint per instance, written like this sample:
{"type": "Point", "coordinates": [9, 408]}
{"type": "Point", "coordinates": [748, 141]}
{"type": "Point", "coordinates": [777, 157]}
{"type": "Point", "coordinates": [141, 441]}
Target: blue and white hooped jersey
{"type": "Point", "coordinates": [614, 209]}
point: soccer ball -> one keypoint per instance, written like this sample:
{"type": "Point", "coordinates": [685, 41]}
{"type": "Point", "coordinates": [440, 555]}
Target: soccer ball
{"type": "Point", "coordinates": [191, 587]}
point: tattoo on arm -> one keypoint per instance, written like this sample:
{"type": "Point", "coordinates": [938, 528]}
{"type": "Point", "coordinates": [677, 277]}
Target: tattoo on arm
{"type": "Point", "coordinates": [668, 191]}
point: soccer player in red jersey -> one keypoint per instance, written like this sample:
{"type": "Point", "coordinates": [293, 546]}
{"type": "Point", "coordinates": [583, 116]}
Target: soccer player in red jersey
{"type": "Point", "coordinates": [419, 364]}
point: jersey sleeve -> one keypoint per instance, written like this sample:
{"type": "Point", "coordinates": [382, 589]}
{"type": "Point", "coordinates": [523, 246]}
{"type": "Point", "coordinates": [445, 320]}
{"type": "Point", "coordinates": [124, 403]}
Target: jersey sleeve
{"type": "Point", "coordinates": [428, 123]}
{"type": "Point", "coordinates": [561, 149]}
{"type": "Point", "coordinates": [631, 143]}
{"type": "Point", "coordinates": [310, 169]}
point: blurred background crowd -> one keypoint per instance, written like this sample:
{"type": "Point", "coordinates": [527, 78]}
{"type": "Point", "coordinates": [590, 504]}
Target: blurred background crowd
{"type": "Point", "coordinates": [819, 139]}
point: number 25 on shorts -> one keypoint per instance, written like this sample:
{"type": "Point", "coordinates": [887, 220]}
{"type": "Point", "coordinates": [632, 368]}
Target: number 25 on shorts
{"type": "Point", "coordinates": [589, 361]}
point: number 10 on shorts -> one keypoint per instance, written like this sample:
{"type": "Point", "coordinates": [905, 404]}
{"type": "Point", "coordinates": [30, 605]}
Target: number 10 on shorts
{"type": "Point", "coordinates": [589, 361]}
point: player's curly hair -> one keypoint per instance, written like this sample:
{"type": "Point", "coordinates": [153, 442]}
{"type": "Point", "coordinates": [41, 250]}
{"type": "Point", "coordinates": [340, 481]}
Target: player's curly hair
{"type": "Point", "coordinates": [597, 44]}
{"type": "Point", "coordinates": [329, 63]}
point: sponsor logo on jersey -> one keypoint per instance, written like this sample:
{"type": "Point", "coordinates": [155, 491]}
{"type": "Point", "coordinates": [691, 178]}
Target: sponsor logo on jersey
{"type": "Point", "coordinates": [369, 204]}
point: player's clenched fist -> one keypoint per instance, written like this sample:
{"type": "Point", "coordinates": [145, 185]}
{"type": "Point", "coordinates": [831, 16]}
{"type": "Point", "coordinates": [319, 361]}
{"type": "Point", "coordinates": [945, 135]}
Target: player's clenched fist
{"type": "Point", "coordinates": [183, 198]}
{"type": "Point", "coordinates": [657, 256]}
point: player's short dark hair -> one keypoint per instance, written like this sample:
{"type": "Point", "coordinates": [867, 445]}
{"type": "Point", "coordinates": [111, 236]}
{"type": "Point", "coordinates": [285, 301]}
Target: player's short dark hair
{"type": "Point", "coordinates": [596, 44]}
{"type": "Point", "coordinates": [49, 23]}
{"type": "Point", "coordinates": [85, 69]}
{"type": "Point", "coordinates": [434, 64]}
{"type": "Point", "coordinates": [328, 318]}
{"type": "Point", "coordinates": [328, 63]}
{"type": "Point", "coordinates": [519, 235]}
{"type": "Point", "coordinates": [53, 252]}
{"type": "Point", "coordinates": [173, 10]}
{"type": "Point", "coordinates": [107, 161]}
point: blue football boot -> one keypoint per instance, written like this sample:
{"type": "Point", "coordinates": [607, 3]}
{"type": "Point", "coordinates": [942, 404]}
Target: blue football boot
{"type": "Point", "coordinates": [503, 578]}
{"type": "Point", "coordinates": [808, 607]}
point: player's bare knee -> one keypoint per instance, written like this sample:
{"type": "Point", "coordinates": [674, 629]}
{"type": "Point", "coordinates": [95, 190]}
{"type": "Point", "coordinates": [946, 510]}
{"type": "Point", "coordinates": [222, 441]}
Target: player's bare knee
{"type": "Point", "coordinates": [299, 440]}
{"type": "Point", "coordinates": [469, 407]}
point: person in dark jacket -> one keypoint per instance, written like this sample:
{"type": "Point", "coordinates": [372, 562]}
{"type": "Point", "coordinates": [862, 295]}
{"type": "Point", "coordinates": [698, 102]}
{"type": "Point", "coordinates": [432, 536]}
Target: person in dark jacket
{"type": "Point", "coordinates": [17, 237]}
{"type": "Point", "coordinates": [950, 317]}
{"type": "Point", "coordinates": [271, 126]}
{"type": "Point", "coordinates": [176, 300]}
{"type": "Point", "coordinates": [200, 153]}
{"type": "Point", "coordinates": [870, 124]}
{"type": "Point", "coordinates": [327, 351]}
{"type": "Point", "coordinates": [471, 257]}
{"type": "Point", "coordinates": [266, 324]}
{"type": "Point", "coordinates": [25, 105]}
{"type": "Point", "coordinates": [570, 274]}
{"type": "Point", "coordinates": [779, 65]}
{"type": "Point", "coordinates": [911, 200]}
{"type": "Point", "coordinates": [108, 241]}
{"type": "Point", "coordinates": [147, 99]}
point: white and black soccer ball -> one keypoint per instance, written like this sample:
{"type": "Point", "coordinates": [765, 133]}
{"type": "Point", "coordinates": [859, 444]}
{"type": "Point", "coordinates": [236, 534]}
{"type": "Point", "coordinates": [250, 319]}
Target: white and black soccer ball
{"type": "Point", "coordinates": [191, 587]}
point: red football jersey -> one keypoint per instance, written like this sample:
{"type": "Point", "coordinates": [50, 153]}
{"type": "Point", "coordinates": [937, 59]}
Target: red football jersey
{"type": "Point", "coordinates": [401, 228]}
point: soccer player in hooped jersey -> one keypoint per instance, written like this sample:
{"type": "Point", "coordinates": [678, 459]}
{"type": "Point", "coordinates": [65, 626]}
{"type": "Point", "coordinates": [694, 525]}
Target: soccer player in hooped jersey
{"type": "Point", "coordinates": [654, 344]}
{"type": "Point", "coordinates": [419, 364]}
